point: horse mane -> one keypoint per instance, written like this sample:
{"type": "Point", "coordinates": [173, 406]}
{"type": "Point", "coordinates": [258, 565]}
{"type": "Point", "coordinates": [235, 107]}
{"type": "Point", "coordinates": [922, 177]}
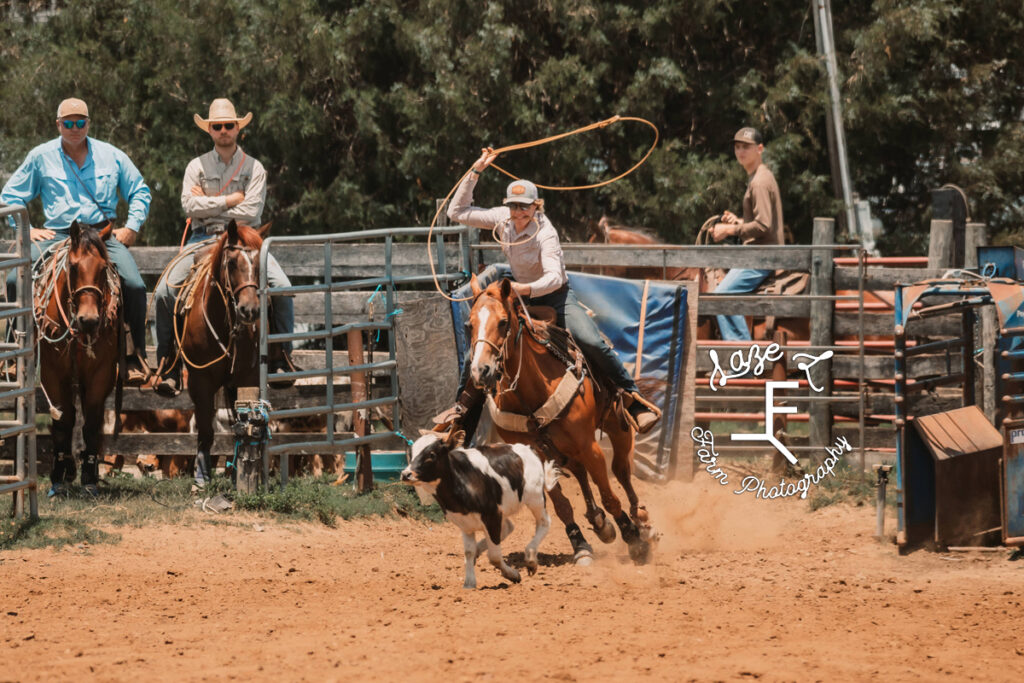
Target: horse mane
{"type": "Point", "coordinates": [248, 238]}
{"type": "Point", "coordinates": [90, 237]}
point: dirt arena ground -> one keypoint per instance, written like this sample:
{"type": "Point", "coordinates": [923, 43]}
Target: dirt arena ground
{"type": "Point", "coordinates": [740, 589]}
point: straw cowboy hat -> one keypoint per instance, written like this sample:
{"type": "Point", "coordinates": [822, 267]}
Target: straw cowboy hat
{"type": "Point", "coordinates": [222, 111]}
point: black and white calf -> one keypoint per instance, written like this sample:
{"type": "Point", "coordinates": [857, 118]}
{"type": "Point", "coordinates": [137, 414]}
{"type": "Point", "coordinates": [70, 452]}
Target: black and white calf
{"type": "Point", "coordinates": [479, 489]}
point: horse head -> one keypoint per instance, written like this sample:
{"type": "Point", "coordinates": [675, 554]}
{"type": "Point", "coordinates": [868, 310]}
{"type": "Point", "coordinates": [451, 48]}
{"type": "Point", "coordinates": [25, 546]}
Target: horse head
{"type": "Point", "coordinates": [87, 276]}
{"type": "Point", "coordinates": [236, 265]}
{"type": "Point", "coordinates": [491, 321]}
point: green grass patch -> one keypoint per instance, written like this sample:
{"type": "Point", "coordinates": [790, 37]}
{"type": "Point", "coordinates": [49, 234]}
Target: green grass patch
{"type": "Point", "coordinates": [847, 485]}
{"type": "Point", "coordinates": [75, 517]}
{"type": "Point", "coordinates": [317, 499]}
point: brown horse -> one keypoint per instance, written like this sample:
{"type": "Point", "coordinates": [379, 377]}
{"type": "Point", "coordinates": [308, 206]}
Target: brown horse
{"type": "Point", "coordinates": [605, 232]}
{"type": "Point", "coordinates": [521, 373]}
{"type": "Point", "coordinates": [216, 319]}
{"type": "Point", "coordinates": [78, 315]}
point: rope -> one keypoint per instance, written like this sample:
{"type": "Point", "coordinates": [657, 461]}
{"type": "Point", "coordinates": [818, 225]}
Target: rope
{"type": "Point", "coordinates": [640, 334]}
{"type": "Point", "coordinates": [537, 143]}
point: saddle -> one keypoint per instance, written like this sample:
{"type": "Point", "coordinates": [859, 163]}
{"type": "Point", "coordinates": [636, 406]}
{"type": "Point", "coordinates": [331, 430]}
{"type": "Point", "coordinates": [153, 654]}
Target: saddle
{"type": "Point", "coordinates": [562, 346]}
{"type": "Point", "coordinates": [188, 291]}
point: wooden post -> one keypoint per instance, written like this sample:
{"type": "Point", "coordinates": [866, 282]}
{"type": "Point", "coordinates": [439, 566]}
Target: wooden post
{"type": "Point", "coordinates": [977, 236]}
{"type": "Point", "coordinates": [822, 270]}
{"type": "Point", "coordinates": [360, 425]}
{"type": "Point", "coordinates": [940, 245]}
{"type": "Point", "coordinates": [950, 204]}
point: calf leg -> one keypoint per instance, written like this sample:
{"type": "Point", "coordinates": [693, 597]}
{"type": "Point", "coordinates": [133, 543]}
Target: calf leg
{"type": "Point", "coordinates": [543, 521]}
{"type": "Point", "coordinates": [470, 548]}
{"type": "Point", "coordinates": [497, 559]}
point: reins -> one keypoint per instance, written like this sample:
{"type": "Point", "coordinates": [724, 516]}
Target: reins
{"type": "Point", "coordinates": [203, 277]}
{"type": "Point", "coordinates": [526, 145]}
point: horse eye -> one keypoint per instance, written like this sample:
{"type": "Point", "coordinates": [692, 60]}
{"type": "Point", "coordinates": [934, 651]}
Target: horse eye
{"type": "Point", "coordinates": [503, 325]}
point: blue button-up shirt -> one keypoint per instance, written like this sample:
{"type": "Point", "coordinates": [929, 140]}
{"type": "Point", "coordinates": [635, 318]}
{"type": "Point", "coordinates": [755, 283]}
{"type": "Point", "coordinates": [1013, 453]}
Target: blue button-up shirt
{"type": "Point", "coordinates": [88, 194]}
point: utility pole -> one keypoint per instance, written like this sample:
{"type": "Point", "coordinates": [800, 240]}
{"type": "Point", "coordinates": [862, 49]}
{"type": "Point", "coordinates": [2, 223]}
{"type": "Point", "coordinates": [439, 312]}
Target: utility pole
{"type": "Point", "coordinates": [822, 10]}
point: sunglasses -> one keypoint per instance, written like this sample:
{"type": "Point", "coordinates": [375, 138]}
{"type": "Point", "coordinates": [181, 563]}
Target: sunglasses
{"type": "Point", "coordinates": [515, 206]}
{"type": "Point", "coordinates": [75, 124]}
{"type": "Point", "coordinates": [225, 126]}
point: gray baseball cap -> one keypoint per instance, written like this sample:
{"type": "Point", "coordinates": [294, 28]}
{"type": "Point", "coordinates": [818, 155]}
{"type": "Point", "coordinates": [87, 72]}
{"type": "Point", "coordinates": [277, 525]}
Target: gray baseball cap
{"type": "Point", "coordinates": [747, 134]}
{"type": "Point", "coordinates": [521, 192]}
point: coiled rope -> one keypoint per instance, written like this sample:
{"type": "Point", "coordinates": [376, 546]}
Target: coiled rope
{"type": "Point", "coordinates": [557, 188]}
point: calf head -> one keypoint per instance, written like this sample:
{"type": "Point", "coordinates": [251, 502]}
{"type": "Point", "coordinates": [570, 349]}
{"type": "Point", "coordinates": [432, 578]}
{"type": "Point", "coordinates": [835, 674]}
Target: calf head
{"type": "Point", "coordinates": [430, 457]}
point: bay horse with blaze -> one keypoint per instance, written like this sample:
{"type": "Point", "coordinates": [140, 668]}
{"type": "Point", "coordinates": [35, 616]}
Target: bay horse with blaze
{"type": "Point", "coordinates": [216, 317]}
{"type": "Point", "coordinates": [521, 373]}
{"type": "Point", "coordinates": [77, 302]}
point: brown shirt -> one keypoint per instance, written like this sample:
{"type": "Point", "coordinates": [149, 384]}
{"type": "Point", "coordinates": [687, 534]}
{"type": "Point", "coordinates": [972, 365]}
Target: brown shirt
{"type": "Point", "coordinates": [762, 210]}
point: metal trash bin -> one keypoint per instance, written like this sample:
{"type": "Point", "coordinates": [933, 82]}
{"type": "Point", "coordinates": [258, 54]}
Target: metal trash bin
{"type": "Point", "coordinates": [950, 481]}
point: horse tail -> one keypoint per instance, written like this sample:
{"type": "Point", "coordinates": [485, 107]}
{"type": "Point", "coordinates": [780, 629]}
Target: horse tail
{"type": "Point", "coordinates": [122, 370]}
{"type": "Point", "coordinates": [551, 475]}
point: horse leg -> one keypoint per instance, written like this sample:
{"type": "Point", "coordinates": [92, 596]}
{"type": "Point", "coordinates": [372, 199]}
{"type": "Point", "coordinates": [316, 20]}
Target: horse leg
{"type": "Point", "coordinates": [639, 549]}
{"type": "Point", "coordinates": [92, 431]}
{"type": "Point", "coordinates": [64, 468]}
{"type": "Point", "coordinates": [582, 553]}
{"type": "Point", "coordinates": [203, 400]}
{"type": "Point", "coordinates": [622, 468]}
{"type": "Point", "coordinates": [595, 515]}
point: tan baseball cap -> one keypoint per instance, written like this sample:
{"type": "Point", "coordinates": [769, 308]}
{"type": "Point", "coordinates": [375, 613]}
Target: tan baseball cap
{"type": "Point", "coordinates": [747, 134]}
{"type": "Point", "coordinates": [72, 107]}
{"type": "Point", "coordinates": [222, 111]}
{"type": "Point", "coordinates": [521, 192]}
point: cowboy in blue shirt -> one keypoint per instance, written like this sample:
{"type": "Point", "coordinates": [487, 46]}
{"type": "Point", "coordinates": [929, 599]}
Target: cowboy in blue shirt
{"type": "Point", "coordinates": [80, 178]}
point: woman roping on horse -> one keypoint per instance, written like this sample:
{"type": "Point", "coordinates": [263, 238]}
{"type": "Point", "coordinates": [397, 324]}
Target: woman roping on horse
{"type": "Point", "coordinates": [530, 243]}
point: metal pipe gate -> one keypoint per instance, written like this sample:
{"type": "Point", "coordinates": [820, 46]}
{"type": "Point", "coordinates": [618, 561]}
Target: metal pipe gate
{"type": "Point", "coordinates": [19, 347]}
{"type": "Point", "coordinates": [385, 285]}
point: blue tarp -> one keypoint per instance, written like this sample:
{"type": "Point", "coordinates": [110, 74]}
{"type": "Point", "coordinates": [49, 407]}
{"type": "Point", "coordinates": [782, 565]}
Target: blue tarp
{"type": "Point", "coordinates": [616, 304]}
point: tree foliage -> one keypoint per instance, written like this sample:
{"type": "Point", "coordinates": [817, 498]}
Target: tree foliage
{"type": "Point", "coordinates": [367, 111]}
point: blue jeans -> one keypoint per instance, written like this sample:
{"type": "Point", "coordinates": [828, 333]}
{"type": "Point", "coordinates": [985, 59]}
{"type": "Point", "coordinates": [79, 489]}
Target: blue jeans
{"type": "Point", "coordinates": [584, 330]}
{"type": "Point", "coordinates": [133, 289]}
{"type": "Point", "coordinates": [738, 281]}
{"type": "Point", "coordinates": [282, 308]}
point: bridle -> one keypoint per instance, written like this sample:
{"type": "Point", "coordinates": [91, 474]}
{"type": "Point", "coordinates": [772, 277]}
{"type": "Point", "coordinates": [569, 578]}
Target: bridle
{"type": "Point", "coordinates": [224, 280]}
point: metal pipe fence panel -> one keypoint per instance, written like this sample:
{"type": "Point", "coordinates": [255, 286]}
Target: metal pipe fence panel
{"type": "Point", "coordinates": [20, 350]}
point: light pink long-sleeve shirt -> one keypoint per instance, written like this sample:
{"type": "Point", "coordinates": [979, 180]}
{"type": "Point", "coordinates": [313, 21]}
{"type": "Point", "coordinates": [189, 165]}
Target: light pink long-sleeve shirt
{"type": "Point", "coordinates": [537, 262]}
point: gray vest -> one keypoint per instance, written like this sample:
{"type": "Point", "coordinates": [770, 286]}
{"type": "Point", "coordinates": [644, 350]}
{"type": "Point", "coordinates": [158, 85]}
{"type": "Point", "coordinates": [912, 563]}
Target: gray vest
{"type": "Point", "coordinates": [213, 178]}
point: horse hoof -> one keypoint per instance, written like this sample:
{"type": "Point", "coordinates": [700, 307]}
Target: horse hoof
{"type": "Point", "coordinates": [583, 558]}
{"type": "Point", "coordinates": [512, 575]}
{"type": "Point", "coordinates": [640, 552]}
{"type": "Point", "coordinates": [531, 569]}
{"type": "Point", "coordinates": [606, 533]}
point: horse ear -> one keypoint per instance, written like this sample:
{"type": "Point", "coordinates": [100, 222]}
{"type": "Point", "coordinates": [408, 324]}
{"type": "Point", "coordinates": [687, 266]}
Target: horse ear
{"type": "Point", "coordinates": [264, 230]}
{"type": "Point", "coordinates": [107, 231]}
{"type": "Point", "coordinates": [232, 231]}
{"type": "Point", "coordinates": [475, 284]}
{"type": "Point", "coordinates": [506, 288]}
{"type": "Point", "coordinates": [76, 234]}
{"type": "Point", "coordinates": [456, 438]}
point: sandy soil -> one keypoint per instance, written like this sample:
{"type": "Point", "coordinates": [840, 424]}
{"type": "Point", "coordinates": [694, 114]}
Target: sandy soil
{"type": "Point", "coordinates": [739, 589]}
